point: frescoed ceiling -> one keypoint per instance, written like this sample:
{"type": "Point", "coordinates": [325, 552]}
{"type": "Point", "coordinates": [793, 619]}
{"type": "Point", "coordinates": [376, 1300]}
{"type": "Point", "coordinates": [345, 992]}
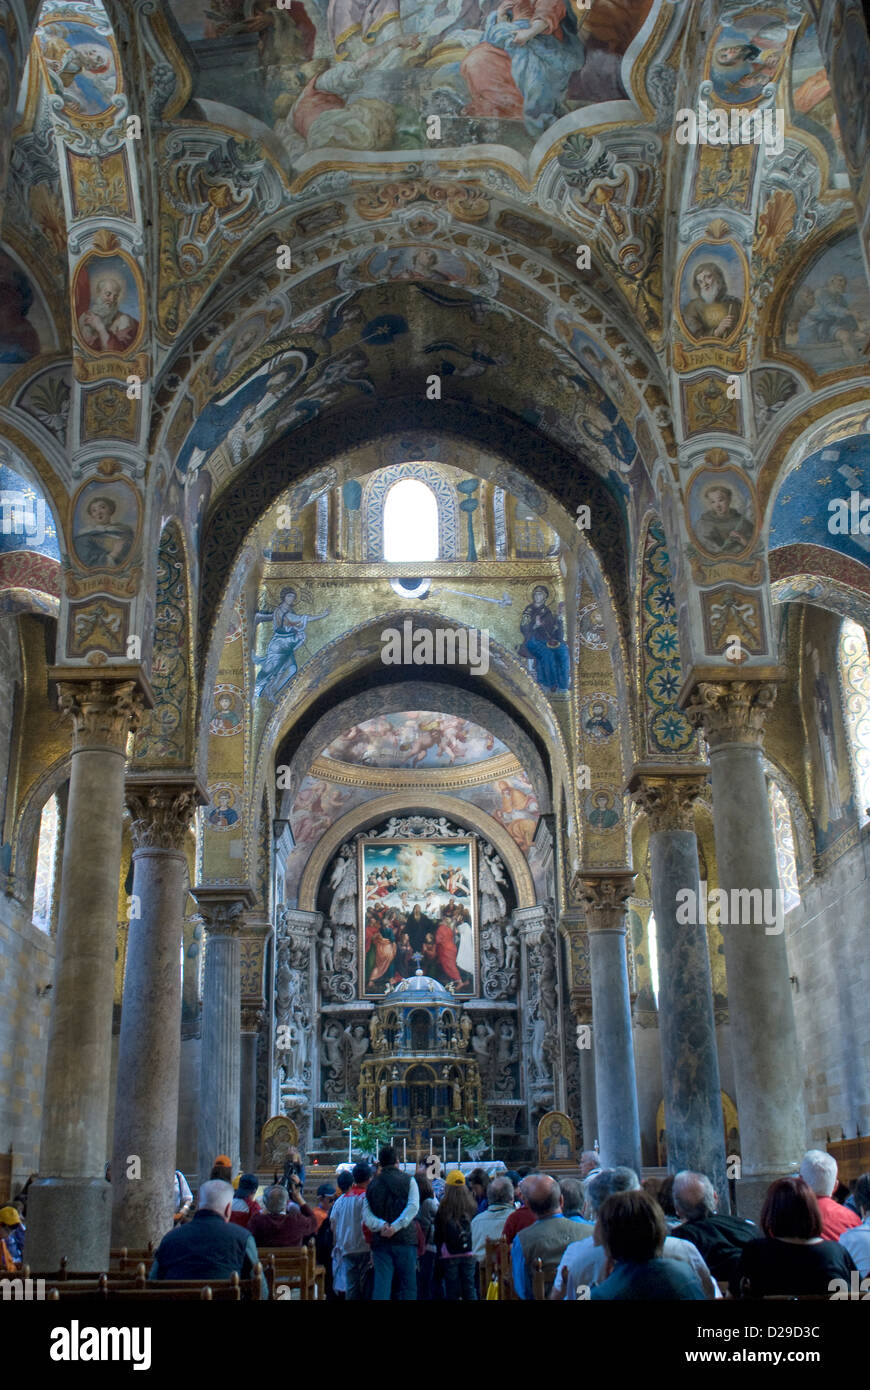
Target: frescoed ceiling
{"type": "Point", "coordinates": [369, 76]}
{"type": "Point", "coordinates": [415, 739]}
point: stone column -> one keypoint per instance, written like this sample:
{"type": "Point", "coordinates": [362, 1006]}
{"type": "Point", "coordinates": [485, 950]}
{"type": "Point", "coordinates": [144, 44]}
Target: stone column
{"type": "Point", "coordinates": [767, 1063]}
{"type": "Point", "coordinates": [149, 1049]}
{"type": "Point", "coordinates": [687, 1026]}
{"type": "Point", "coordinates": [69, 1206]}
{"type": "Point", "coordinates": [604, 894]}
{"type": "Point", "coordinates": [252, 1019]}
{"type": "Point", "coordinates": [255, 934]}
{"type": "Point", "coordinates": [220, 1080]}
{"type": "Point", "coordinates": [573, 928]}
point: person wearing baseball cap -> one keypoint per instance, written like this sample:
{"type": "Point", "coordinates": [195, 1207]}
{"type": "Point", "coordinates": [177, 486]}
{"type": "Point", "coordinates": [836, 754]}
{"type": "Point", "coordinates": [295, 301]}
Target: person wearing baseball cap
{"type": "Point", "coordinates": [453, 1239]}
{"type": "Point", "coordinates": [244, 1204]}
{"type": "Point", "coordinates": [10, 1239]}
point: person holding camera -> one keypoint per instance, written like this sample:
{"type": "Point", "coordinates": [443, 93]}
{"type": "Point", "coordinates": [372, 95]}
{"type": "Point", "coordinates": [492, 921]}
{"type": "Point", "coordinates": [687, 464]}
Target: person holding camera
{"type": "Point", "coordinates": [278, 1226]}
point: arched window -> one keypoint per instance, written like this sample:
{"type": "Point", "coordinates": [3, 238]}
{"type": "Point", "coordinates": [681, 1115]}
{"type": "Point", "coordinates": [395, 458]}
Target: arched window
{"type": "Point", "coordinates": [783, 839]}
{"type": "Point", "coordinates": [46, 860]}
{"type": "Point", "coordinates": [410, 522]}
{"type": "Point", "coordinates": [652, 939]}
{"type": "Point", "coordinates": [855, 680]}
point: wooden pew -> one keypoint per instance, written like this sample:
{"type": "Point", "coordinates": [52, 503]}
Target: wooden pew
{"type": "Point", "coordinates": [543, 1278]}
{"type": "Point", "coordinates": [202, 1293]}
{"type": "Point", "coordinates": [295, 1266]}
{"type": "Point", "coordinates": [124, 1258]}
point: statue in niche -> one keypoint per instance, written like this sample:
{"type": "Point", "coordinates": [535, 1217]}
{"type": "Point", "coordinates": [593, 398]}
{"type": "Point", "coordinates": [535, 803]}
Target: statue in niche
{"type": "Point", "coordinates": [358, 1043]}
{"type": "Point", "coordinates": [511, 947]}
{"type": "Point", "coordinates": [344, 886]}
{"type": "Point", "coordinates": [327, 950]}
{"type": "Point", "coordinates": [333, 1060]}
{"type": "Point", "coordinates": [464, 1032]}
{"type": "Point", "coordinates": [481, 1040]}
{"type": "Point", "coordinates": [505, 1056]}
{"type": "Point", "coordinates": [492, 903]}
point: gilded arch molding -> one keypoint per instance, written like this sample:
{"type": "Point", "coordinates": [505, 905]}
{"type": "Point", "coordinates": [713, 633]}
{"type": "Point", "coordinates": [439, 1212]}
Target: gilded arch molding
{"type": "Point", "coordinates": [464, 813]}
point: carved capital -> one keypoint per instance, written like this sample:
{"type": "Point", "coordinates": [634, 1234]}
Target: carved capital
{"type": "Point", "coordinates": [161, 815]}
{"type": "Point", "coordinates": [581, 1005]}
{"type": "Point", "coordinates": [732, 711]}
{"type": "Point", "coordinates": [223, 909]}
{"type": "Point", "coordinates": [103, 712]}
{"type": "Point", "coordinates": [253, 1015]}
{"type": "Point", "coordinates": [668, 801]}
{"type": "Point", "coordinates": [604, 896]}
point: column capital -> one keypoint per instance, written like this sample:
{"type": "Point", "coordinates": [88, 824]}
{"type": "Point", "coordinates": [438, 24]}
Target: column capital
{"type": "Point", "coordinates": [162, 807]}
{"type": "Point", "coordinates": [222, 909]}
{"type": "Point", "coordinates": [667, 795]}
{"type": "Point", "coordinates": [532, 922]}
{"type": "Point", "coordinates": [604, 893]}
{"type": "Point", "coordinates": [731, 711]}
{"type": "Point", "coordinates": [104, 709]}
{"type": "Point", "coordinates": [253, 1015]}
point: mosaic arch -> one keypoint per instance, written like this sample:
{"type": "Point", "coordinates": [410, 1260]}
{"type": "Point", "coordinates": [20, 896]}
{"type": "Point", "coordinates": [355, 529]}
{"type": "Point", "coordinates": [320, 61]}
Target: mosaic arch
{"type": "Point", "coordinates": [521, 450]}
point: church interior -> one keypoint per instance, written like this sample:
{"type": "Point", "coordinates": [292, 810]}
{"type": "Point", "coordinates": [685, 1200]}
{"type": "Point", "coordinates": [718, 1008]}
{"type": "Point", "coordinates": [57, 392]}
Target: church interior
{"type": "Point", "coordinates": [434, 596]}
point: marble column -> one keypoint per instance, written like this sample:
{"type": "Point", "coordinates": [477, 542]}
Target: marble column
{"type": "Point", "coordinates": [220, 1065]}
{"type": "Point", "coordinates": [149, 1049]}
{"type": "Point", "coordinates": [69, 1205]}
{"type": "Point", "coordinates": [767, 1065]}
{"type": "Point", "coordinates": [252, 1019]}
{"type": "Point", "coordinates": [604, 894]}
{"type": "Point", "coordinates": [573, 928]}
{"type": "Point", "coordinates": [687, 1026]}
{"type": "Point", "coordinates": [254, 938]}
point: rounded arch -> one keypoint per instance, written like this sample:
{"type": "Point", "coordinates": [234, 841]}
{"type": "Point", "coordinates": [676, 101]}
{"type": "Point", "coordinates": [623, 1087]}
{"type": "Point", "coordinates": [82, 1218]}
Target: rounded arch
{"type": "Point", "coordinates": [26, 832]}
{"type": "Point", "coordinates": [546, 469]}
{"type": "Point", "coordinates": [349, 656]}
{"type": "Point", "coordinates": [374, 498]}
{"type": "Point", "coordinates": [392, 699]}
{"type": "Point", "coordinates": [371, 812]}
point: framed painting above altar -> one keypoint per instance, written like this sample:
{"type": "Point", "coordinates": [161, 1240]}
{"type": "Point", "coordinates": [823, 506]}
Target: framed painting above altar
{"type": "Point", "coordinates": [418, 908]}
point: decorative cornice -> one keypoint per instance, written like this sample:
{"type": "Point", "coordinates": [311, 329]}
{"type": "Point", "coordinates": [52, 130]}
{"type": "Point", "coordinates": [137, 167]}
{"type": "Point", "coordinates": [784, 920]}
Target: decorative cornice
{"type": "Point", "coordinates": [604, 895]}
{"type": "Point", "coordinates": [162, 810]}
{"type": "Point", "coordinates": [732, 712]}
{"type": "Point", "coordinates": [104, 710]}
{"type": "Point", "coordinates": [667, 797]}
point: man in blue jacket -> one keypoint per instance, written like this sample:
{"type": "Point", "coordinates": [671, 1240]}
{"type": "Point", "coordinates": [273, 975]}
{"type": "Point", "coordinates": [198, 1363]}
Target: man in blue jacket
{"type": "Point", "coordinates": [209, 1246]}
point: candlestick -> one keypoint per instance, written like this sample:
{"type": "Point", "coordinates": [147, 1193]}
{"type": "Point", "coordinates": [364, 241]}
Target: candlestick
{"type": "Point", "coordinates": [444, 1149]}
{"type": "Point", "coordinates": [458, 1152]}
{"type": "Point", "coordinates": [492, 1141]}
{"type": "Point", "coordinates": [404, 1151]}
{"type": "Point", "coordinates": [349, 1142]}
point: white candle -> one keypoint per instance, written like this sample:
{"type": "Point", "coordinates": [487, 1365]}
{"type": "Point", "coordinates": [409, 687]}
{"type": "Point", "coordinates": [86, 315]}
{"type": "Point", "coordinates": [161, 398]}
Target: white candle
{"type": "Point", "coordinates": [458, 1152]}
{"type": "Point", "coordinates": [404, 1151]}
{"type": "Point", "coordinates": [492, 1141]}
{"type": "Point", "coordinates": [444, 1149]}
{"type": "Point", "coordinates": [349, 1142]}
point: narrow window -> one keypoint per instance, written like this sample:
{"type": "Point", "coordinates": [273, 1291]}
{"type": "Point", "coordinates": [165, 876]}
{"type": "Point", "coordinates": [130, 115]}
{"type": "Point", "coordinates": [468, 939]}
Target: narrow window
{"type": "Point", "coordinates": [410, 522]}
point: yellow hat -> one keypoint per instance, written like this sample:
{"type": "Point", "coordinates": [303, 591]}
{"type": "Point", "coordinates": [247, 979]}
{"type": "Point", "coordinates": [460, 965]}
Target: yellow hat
{"type": "Point", "coordinates": [237, 1179]}
{"type": "Point", "coordinates": [456, 1178]}
{"type": "Point", "coordinates": [9, 1217]}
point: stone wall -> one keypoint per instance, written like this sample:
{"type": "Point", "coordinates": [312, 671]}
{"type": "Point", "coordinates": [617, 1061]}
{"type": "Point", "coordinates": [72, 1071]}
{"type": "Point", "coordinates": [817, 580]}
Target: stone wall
{"type": "Point", "coordinates": [828, 954]}
{"type": "Point", "coordinates": [26, 965]}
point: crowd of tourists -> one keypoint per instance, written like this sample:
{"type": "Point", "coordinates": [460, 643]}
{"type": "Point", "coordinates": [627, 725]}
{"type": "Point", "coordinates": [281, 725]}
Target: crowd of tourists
{"type": "Point", "coordinates": [384, 1233]}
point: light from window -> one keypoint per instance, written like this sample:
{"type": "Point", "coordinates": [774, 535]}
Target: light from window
{"type": "Point", "coordinates": [783, 839]}
{"type": "Point", "coordinates": [855, 678]}
{"type": "Point", "coordinates": [46, 858]}
{"type": "Point", "coordinates": [410, 522]}
{"type": "Point", "coordinates": [652, 938]}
